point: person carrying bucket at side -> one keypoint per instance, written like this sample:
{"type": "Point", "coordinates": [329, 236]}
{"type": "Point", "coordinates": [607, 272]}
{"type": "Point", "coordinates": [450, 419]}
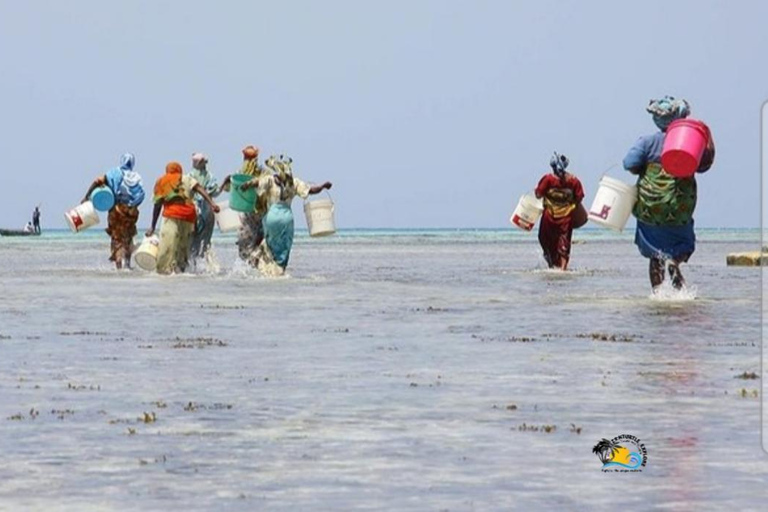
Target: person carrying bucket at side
{"type": "Point", "coordinates": [174, 195]}
{"type": "Point", "coordinates": [562, 194]}
{"type": "Point", "coordinates": [128, 191]}
{"type": "Point", "coordinates": [201, 241]}
{"type": "Point", "coordinates": [665, 203]}
{"type": "Point", "coordinates": [251, 232]}
{"type": "Point", "coordinates": [277, 188]}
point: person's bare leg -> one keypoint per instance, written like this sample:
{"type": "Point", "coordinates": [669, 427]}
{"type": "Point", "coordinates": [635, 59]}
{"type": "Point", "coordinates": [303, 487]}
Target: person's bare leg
{"type": "Point", "coordinates": [563, 263]}
{"type": "Point", "coordinates": [656, 272]}
{"type": "Point", "coordinates": [678, 281]}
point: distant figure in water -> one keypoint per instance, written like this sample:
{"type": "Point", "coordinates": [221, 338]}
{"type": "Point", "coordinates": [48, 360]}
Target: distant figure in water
{"type": "Point", "coordinates": [36, 220]}
{"type": "Point", "coordinates": [29, 228]}
{"type": "Point", "coordinates": [665, 204]}
{"type": "Point", "coordinates": [562, 194]}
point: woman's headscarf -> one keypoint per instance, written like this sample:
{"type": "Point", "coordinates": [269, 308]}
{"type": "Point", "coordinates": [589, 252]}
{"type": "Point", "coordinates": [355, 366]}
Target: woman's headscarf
{"type": "Point", "coordinates": [127, 161]}
{"type": "Point", "coordinates": [666, 110]}
{"type": "Point", "coordinates": [165, 185]}
{"type": "Point", "coordinates": [559, 163]}
{"type": "Point", "coordinates": [250, 152]}
{"type": "Point", "coordinates": [281, 168]}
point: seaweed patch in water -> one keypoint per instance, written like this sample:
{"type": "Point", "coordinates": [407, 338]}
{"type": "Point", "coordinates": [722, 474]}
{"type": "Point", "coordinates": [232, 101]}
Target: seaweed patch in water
{"type": "Point", "coordinates": [508, 339]}
{"type": "Point", "coordinates": [83, 333]}
{"type": "Point", "coordinates": [83, 387]}
{"type": "Point", "coordinates": [216, 406]}
{"type": "Point", "coordinates": [199, 342]}
{"type": "Point", "coordinates": [537, 428]}
{"type": "Point", "coordinates": [747, 376]}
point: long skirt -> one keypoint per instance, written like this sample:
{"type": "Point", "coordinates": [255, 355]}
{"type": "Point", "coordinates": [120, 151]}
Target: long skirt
{"type": "Point", "coordinates": [665, 242]}
{"type": "Point", "coordinates": [249, 238]}
{"type": "Point", "coordinates": [175, 240]}
{"type": "Point", "coordinates": [275, 250]}
{"type": "Point", "coordinates": [555, 239]}
{"type": "Point", "coordinates": [121, 228]}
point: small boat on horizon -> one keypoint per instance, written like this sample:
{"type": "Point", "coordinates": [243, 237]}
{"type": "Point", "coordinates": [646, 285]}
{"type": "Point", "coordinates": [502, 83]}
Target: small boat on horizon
{"type": "Point", "coordinates": [17, 232]}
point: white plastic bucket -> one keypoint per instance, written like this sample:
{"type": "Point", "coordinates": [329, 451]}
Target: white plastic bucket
{"type": "Point", "coordinates": [82, 217]}
{"type": "Point", "coordinates": [613, 203]}
{"type": "Point", "coordinates": [527, 213]}
{"type": "Point", "coordinates": [227, 218]}
{"type": "Point", "coordinates": [319, 215]}
{"type": "Point", "coordinates": [146, 254]}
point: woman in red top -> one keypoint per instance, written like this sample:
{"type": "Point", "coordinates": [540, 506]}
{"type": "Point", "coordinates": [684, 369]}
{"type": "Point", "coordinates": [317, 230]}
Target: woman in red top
{"type": "Point", "coordinates": [174, 195]}
{"type": "Point", "coordinates": [562, 194]}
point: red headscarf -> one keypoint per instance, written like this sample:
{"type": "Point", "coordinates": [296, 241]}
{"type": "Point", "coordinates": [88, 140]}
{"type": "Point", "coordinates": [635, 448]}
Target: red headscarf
{"type": "Point", "coordinates": [250, 152]}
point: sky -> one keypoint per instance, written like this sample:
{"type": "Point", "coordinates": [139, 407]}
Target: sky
{"type": "Point", "coordinates": [422, 113]}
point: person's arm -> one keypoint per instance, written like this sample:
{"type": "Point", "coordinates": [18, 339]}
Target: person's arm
{"type": "Point", "coordinates": [98, 182]}
{"type": "Point", "coordinates": [254, 183]}
{"type": "Point", "coordinates": [155, 216]}
{"type": "Point", "coordinates": [578, 191]}
{"type": "Point", "coordinates": [637, 157]}
{"type": "Point", "coordinates": [316, 189]}
{"type": "Point", "coordinates": [200, 190]}
{"type": "Point", "coordinates": [708, 158]}
{"type": "Point", "coordinates": [225, 183]}
{"type": "Point", "coordinates": [542, 187]}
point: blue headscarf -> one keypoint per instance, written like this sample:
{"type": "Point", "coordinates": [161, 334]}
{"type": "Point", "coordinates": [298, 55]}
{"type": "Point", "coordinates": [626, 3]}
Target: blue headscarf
{"type": "Point", "coordinates": [559, 163]}
{"type": "Point", "coordinates": [127, 161]}
{"type": "Point", "coordinates": [125, 182]}
{"type": "Point", "coordinates": [666, 110]}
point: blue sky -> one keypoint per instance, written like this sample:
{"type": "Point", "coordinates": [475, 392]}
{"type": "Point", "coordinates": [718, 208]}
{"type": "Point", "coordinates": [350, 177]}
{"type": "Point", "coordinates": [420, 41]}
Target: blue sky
{"type": "Point", "coordinates": [422, 113]}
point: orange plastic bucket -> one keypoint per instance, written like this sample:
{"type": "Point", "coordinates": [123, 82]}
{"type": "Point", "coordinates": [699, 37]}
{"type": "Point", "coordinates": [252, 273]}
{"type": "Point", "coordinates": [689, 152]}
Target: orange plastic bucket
{"type": "Point", "coordinates": [684, 143]}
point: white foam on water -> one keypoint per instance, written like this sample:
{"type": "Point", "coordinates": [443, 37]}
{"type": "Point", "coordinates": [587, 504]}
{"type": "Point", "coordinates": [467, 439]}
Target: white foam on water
{"type": "Point", "coordinates": [668, 293]}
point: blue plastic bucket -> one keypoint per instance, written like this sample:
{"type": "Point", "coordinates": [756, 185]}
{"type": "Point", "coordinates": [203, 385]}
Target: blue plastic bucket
{"type": "Point", "coordinates": [103, 199]}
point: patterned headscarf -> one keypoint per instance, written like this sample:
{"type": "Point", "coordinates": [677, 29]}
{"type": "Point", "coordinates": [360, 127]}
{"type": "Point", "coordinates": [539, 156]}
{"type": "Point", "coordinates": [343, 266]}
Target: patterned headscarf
{"type": "Point", "coordinates": [127, 161]}
{"type": "Point", "coordinates": [559, 163]}
{"type": "Point", "coordinates": [281, 168]}
{"type": "Point", "coordinates": [666, 110]}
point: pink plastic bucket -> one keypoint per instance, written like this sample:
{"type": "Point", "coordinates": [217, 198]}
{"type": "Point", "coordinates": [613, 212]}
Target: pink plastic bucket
{"type": "Point", "coordinates": [684, 143]}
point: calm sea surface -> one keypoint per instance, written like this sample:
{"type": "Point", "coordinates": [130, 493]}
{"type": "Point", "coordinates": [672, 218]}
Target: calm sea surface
{"type": "Point", "coordinates": [431, 370]}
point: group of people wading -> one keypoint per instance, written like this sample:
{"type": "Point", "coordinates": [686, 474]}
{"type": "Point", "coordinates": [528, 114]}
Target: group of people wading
{"type": "Point", "coordinates": [664, 207]}
{"type": "Point", "coordinates": [186, 202]}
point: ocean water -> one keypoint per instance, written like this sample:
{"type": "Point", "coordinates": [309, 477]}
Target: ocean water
{"type": "Point", "coordinates": [419, 370]}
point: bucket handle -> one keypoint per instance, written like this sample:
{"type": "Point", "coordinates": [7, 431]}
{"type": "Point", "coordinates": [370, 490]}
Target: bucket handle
{"type": "Point", "coordinates": [608, 169]}
{"type": "Point", "coordinates": [326, 191]}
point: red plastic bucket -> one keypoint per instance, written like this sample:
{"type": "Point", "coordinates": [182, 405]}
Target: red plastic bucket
{"type": "Point", "coordinates": [684, 143]}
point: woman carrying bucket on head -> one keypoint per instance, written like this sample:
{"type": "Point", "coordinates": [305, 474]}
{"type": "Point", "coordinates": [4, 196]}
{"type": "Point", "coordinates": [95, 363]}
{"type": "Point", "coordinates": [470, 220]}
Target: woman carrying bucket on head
{"type": "Point", "coordinates": [251, 232]}
{"type": "Point", "coordinates": [125, 186]}
{"type": "Point", "coordinates": [174, 195]}
{"type": "Point", "coordinates": [201, 241]}
{"type": "Point", "coordinates": [562, 194]}
{"type": "Point", "coordinates": [277, 188]}
{"type": "Point", "coordinates": [665, 202]}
